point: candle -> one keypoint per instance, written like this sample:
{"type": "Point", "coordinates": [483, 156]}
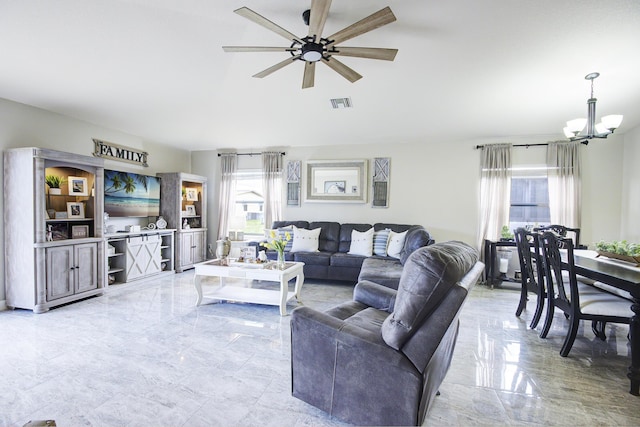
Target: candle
{"type": "Point", "coordinates": [504, 265]}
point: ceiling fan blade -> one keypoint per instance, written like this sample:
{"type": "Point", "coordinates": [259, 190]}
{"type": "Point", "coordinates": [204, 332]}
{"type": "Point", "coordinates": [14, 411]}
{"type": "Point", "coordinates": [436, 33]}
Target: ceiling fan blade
{"type": "Point", "coordinates": [342, 69]}
{"type": "Point", "coordinates": [318, 17]}
{"type": "Point", "coordinates": [257, 49]}
{"type": "Point", "coordinates": [366, 52]}
{"type": "Point", "coordinates": [282, 64]}
{"type": "Point", "coordinates": [382, 17]}
{"type": "Point", "coordinates": [261, 20]}
{"type": "Point", "coordinates": [309, 74]}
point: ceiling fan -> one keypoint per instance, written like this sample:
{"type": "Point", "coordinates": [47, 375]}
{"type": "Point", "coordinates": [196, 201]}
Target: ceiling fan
{"type": "Point", "coordinates": [314, 48]}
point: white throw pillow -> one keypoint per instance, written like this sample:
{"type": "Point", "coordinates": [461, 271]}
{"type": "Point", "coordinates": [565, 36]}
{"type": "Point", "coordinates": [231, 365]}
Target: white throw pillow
{"type": "Point", "coordinates": [396, 243]}
{"type": "Point", "coordinates": [380, 241]}
{"type": "Point", "coordinates": [305, 240]}
{"type": "Point", "coordinates": [361, 242]}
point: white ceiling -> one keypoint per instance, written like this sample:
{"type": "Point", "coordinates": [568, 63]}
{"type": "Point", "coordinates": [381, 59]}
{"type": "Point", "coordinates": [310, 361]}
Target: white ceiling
{"type": "Point", "coordinates": [496, 70]}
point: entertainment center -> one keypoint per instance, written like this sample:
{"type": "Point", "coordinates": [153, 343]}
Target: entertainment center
{"type": "Point", "coordinates": [68, 232]}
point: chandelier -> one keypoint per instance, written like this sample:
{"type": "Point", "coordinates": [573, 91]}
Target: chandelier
{"type": "Point", "coordinates": [601, 130]}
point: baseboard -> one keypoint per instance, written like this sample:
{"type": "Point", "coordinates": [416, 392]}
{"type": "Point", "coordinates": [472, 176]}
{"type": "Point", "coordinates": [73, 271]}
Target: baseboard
{"type": "Point", "coordinates": [3, 305]}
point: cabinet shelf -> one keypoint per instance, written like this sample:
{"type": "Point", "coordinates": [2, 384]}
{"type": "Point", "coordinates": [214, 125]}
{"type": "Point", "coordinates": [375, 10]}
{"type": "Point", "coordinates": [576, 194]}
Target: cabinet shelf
{"type": "Point", "coordinates": [69, 220]}
{"type": "Point", "coordinates": [115, 270]}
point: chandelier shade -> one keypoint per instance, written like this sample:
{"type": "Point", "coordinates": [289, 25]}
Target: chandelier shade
{"type": "Point", "coordinates": [575, 127]}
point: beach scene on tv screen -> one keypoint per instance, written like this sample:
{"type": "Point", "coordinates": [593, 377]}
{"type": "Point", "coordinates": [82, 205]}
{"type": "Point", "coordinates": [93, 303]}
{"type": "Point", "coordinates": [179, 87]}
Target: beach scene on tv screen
{"type": "Point", "coordinates": [131, 194]}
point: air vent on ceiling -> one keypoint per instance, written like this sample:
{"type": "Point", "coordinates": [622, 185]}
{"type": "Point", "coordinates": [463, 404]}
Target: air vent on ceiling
{"type": "Point", "coordinates": [341, 103]}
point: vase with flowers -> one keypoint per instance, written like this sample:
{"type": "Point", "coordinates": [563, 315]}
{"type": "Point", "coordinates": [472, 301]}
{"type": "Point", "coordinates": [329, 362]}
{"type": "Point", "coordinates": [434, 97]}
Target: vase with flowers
{"type": "Point", "coordinates": [278, 243]}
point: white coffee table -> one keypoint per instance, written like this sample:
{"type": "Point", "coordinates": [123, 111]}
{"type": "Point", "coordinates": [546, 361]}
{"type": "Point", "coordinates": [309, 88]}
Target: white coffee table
{"type": "Point", "coordinates": [225, 292]}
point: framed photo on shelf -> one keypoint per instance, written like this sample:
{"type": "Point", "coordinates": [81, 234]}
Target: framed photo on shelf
{"type": "Point", "coordinates": [79, 231]}
{"type": "Point", "coordinates": [191, 210]}
{"type": "Point", "coordinates": [75, 210]}
{"type": "Point", "coordinates": [78, 186]}
{"type": "Point", "coordinates": [192, 194]}
{"type": "Point", "coordinates": [57, 231]}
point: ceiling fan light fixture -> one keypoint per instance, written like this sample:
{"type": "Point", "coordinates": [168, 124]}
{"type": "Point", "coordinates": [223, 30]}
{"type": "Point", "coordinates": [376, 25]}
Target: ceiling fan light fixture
{"type": "Point", "coordinates": [312, 52]}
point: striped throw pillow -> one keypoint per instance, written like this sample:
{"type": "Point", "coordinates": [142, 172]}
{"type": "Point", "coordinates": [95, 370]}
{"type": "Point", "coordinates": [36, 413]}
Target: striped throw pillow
{"type": "Point", "coordinates": [380, 240]}
{"type": "Point", "coordinates": [282, 232]}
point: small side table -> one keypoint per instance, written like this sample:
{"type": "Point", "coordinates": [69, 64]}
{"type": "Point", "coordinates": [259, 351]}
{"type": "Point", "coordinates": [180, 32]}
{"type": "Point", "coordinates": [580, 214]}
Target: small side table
{"type": "Point", "coordinates": [490, 255]}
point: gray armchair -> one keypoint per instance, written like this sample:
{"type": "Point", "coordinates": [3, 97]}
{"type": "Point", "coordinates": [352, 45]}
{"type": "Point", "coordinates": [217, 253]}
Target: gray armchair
{"type": "Point", "coordinates": [380, 358]}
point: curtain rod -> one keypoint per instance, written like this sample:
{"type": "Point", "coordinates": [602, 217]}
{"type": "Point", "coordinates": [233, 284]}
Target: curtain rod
{"type": "Point", "coordinates": [282, 153]}
{"type": "Point", "coordinates": [477, 147]}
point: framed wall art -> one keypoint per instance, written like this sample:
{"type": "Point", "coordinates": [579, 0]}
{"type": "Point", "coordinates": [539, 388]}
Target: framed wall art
{"type": "Point", "coordinates": [336, 181]}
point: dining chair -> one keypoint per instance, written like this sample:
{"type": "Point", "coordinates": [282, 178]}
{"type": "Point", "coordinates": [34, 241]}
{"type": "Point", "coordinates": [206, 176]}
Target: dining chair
{"type": "Point", "coordinates": [579, 301]}
{"type": "Point", "coordinates": [531, 273]}
{"type": "Point", "coordinates": [562, 231]}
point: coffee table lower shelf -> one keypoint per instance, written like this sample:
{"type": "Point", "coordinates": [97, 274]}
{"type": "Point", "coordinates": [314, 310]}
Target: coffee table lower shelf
{"type": "Point", "coordinates": [250, 295]}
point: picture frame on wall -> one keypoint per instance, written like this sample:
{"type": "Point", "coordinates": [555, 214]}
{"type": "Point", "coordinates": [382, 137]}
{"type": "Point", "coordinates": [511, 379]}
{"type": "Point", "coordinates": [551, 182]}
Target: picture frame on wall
{"type": "Point", "coordinates": [75, 210]}
{"type": "Point", "coordinates": [79, 231]}
{"type": "Point", "coordinates": [192, 194]}
{"type": "Point", "coordinates": [78, 186]}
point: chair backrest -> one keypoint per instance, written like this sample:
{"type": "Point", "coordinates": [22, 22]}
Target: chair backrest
{"type": "Point", "coordinates": [556, 287]}
{"type": "Point", "coordinates": [524, 241]}
{"type": "Point", "coordinates": [562, 230]}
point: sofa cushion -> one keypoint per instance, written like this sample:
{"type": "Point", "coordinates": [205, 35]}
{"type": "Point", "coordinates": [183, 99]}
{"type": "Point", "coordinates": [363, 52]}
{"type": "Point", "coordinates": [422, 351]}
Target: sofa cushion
{"type": "Point", "coordinates": [313, 258]}
{"type": "Point", "coordinates": [299, 224]}
{"type": "Point", "coordinates": [380, 241]}
{"type": "Point", "coordinates": [385, 271]}
{"type": "Point", "coordinates": [398, 228]}
{"type": "Point", "coordinates": [329, 235]}
{"type": "Point", "coordinates": [361, 242]}
{"type": "Point", "coordinates": [426, 278]}
{"type": "Point", "coordinates": [305, 240]}
{"type": "Point", "coordinates": [340, 259]}
{"type": "Point", "coordinates": [396, 243]}
{"type": "Point", "coordinates": [417, 237]}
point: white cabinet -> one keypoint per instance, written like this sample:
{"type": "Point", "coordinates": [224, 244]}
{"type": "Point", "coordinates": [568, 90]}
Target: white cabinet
{"type": "Point", "coordinates": [132, 256]}
{"type": "Point", "coordinates": [71, 269]}
{"type": "Point", "coordinates": [53, 237]}
{"type": "Point", "coordinates": [192, 248]}
{"type": "Point", "coordinates": [183, 204]}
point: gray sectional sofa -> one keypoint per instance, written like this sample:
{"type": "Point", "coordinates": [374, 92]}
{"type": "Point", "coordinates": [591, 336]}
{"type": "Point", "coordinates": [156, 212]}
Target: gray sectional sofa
{"type": "Point", "coordinates": [333, 262]}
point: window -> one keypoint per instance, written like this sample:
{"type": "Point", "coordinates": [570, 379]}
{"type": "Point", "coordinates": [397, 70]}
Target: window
{"type": "Point", "coordinates": [248, 215]}
{"type": "Point", "coordinates": [529, 197]}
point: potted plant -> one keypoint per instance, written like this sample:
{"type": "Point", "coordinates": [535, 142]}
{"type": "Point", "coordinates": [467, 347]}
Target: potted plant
{"type": "Point", "coordinates": [506, 234]}
{"type": "Point", "coordinates": [54, 182]}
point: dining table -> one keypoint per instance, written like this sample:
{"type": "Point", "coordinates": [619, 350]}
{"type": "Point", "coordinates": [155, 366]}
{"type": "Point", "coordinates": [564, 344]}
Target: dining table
{"type": "Point", "coordinates": [624, 276]}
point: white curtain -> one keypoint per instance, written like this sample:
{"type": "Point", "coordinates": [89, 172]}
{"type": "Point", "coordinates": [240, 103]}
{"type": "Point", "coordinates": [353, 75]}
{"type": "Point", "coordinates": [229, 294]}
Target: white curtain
{"type": "Point", "coordinates": [565, 183]}
{"type": "Point", "coordinates": [228, 167]}
{"type": "Point", "coordinates": [495, 191]}
{"type": "Point", "coordinates": [272, 187]}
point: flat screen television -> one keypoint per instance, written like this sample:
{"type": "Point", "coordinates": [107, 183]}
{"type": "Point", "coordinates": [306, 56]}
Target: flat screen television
{"type": "Point", "coordinates": [128, 194]}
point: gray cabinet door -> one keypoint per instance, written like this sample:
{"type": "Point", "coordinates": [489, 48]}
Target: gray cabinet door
{"type": "Point", "coordinates": [199, 246]}
{"type": "Point", "coordinates": [86, 267]}
{"type": "Point", "coordinates": [137, 258]}
{"type": "Point", "coordinates": [186, 249]}
{"type": "Point", "coordinates": [60, 272]}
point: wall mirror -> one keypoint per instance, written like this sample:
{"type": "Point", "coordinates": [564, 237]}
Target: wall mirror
{"type": "Point", "coordinates": [338, 181]}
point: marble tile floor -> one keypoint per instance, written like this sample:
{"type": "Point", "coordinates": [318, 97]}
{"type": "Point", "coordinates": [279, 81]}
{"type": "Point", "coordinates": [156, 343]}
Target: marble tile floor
{"type": "Point", "coordinates": [143, 355]}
